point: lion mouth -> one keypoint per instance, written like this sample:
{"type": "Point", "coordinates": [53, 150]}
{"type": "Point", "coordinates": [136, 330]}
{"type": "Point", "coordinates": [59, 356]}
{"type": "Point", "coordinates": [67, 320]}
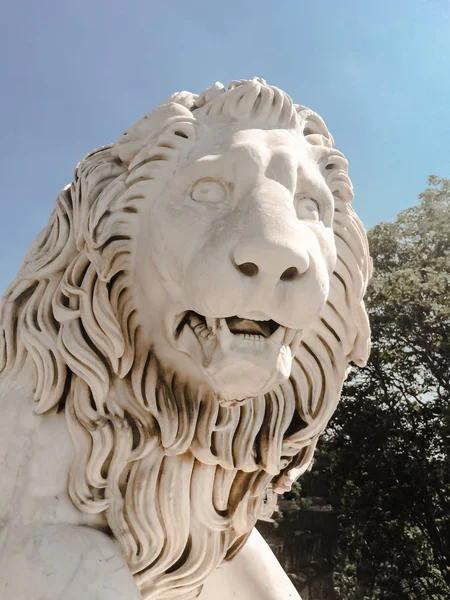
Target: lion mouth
{"type": "Point", "coordinates": [235, 327]}
{"type": "Point", "coordinates": [240, 357]}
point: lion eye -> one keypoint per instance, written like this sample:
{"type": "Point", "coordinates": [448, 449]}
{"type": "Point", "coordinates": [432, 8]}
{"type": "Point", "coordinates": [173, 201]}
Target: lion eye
{"type": "Point", "coordinates": [307, 208]}
{"type": "Point", "coordinates": [209, 190]}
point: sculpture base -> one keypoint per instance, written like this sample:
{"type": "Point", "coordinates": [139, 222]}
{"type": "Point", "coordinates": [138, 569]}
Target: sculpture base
{"type": "Point", "coordinates": [253, 573]}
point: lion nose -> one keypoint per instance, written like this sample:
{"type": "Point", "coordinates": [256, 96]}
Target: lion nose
{"type": "Point", "coordinates": [285, 262]}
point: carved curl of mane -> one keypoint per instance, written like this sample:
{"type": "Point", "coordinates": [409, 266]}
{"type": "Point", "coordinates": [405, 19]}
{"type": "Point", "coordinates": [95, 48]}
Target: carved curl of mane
{"type": "Point", "coordinates": [181, 478]}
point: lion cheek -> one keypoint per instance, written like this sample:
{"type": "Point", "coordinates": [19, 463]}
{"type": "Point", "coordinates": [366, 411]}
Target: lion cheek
{"type": "Point", "coordinates": [326, 249]}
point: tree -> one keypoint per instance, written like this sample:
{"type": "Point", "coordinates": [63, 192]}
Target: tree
{"type": "Point", "coordinates": [389, 442]}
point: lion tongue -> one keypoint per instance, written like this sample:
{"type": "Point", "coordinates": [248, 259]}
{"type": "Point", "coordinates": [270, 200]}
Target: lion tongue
{"type": "Point", "coordinates": [237, 325]}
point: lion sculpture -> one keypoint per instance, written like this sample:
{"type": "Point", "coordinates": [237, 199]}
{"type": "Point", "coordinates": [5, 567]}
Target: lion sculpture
{"type": "Point", "coordinates": [184, 324]}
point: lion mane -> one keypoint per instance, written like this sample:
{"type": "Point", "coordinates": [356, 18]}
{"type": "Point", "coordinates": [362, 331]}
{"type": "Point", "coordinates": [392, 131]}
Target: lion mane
{"type": "Point", "coordinates": [180, 478]}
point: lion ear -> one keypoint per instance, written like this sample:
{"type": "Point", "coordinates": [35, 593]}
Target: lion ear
{"type": "Point", "coordinates": [142, 133]}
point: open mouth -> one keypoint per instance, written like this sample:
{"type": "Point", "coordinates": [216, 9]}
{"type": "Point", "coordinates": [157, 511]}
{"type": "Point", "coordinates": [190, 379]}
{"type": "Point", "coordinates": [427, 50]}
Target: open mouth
{"type": "Point", "coordinates": [240, 357]}
{"type": "Point", "coordinates": [241, 328]}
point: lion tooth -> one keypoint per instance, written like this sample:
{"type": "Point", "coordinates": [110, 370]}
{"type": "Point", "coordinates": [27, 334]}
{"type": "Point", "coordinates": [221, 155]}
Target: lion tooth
{"type": "Point", "coordinates": [224, 335]}
{"type": "Point", "coordinates": [250, 337]}
{"type": "Point", "coordinates": [223, 325]}
{"type": "Point", "coordinates": [212, 323]}
{"type": "Point", "coordinates": [296, 341]}
{"type": "Point", "coordinates": [290, 334]}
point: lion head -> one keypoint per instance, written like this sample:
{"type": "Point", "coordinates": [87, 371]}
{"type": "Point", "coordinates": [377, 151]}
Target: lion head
{"type": "Point", "coordinates": [193, 305]}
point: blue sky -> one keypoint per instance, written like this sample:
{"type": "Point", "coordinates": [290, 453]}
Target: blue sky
{"type": "Point", "coordinates": [75, 74]}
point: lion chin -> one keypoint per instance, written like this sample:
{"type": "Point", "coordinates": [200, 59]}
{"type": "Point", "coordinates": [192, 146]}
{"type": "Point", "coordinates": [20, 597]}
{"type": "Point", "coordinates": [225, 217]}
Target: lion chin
{"type": "Point", "coordinates": [193, 306]}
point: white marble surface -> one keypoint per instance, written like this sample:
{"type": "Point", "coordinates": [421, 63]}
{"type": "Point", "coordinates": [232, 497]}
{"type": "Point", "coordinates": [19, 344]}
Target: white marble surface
{"type": "Point", "coordinates": [172, 348]}
{"type": "Point", "coordinates": [49, 549]}
{"type": "Point", "coordinates": [254, 573]}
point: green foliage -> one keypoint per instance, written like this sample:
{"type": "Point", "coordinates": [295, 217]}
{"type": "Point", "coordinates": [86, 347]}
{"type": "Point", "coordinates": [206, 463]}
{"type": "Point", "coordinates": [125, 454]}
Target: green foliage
{"type": "Point", "coordinates": [389, 442]}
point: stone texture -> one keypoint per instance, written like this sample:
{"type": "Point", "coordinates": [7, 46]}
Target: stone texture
{"type": "Point", "coordinates": [304, 539]}
{"type": "Point", "coordinates": [183, 326]}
